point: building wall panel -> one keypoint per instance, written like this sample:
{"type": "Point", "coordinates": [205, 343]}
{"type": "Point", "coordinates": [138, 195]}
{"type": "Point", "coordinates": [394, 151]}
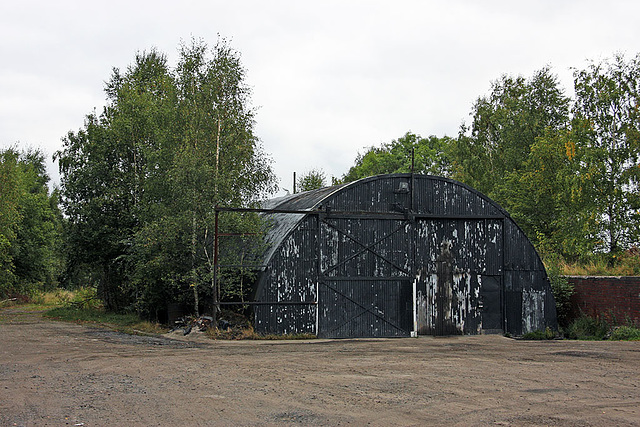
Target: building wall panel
{"type": "Point", "coordinates": [473, 269]}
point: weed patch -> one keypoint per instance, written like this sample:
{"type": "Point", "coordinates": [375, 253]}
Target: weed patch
{"type": "Point", "coordinates": [543, 334]}
{"type": "Point", "coordinates": [238, 327]}
{"type": "Point", "coordinates": [587, 328]}
{"type": "Point", "coordinates": [625, 333]}
{"type": "Point", "coordinates": [620, 264]}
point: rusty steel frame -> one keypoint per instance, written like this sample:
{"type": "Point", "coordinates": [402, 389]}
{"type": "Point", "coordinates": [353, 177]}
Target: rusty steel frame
{"type": "Point", "coordinates": [324, 213]}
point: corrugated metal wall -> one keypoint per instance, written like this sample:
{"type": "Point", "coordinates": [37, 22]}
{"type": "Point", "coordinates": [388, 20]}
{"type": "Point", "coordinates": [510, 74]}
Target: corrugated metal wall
{"type": "Point", "coordinates": [460, 267]}
{"type": "Point", "coordinates": [444, 257]}
{"type": "Point", "coordinates": [365, 308]}
{"type": "Point", "coordinates": [291, 276]}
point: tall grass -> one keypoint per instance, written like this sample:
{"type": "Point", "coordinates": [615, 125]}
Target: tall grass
{"type": "Point", "coordinates": [587, 328]}
{"type": "Point", "coordinates": [83, 306]}
{"type": "Point", "coordinates": [623, 264]}
{"type": "Point", "coordinates": [80, 298]}
{"type": "Point", "coordinates": [626, 333]}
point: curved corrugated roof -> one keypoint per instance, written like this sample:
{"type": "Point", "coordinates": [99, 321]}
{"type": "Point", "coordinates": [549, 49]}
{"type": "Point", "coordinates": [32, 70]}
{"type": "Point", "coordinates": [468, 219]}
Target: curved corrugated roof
{"type": "Point", "coordinates": [306, 200]}
{"type": "Point", "coordinates": [281, 224]}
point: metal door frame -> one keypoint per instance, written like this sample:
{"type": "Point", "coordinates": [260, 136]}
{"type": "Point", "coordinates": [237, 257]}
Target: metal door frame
{"type": "Point", "coordinates": [480, 274]}
{"type": "Point", "coordinates": [324, 280]}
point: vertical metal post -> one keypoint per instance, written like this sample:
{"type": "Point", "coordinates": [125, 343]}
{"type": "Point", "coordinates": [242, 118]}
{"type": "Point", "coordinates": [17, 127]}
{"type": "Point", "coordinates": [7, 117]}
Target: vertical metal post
{"type": "Point", "coordinates": [318, 272]}
{"type": "Point", "coordinates": [503, 298]}
{"type": "Point", "coordinates": [294, 183]}
{"type": "Point", "coordinates": [414, 332]}
{"type": "Point", "coordinates": [216, 287]}
{"type": "Point", "coordinates": [412, 243]}
{"type": "Point", "coordinates": [413, 181]}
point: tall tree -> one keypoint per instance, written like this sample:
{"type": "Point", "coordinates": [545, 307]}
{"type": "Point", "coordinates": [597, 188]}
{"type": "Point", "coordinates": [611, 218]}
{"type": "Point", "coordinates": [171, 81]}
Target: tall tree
{"type": "Point", "coordinates": [9, 216]}
{"type": "Point", "coordinates": [30, 224]}
{"type": "Point", "coordinates": [550, 201]}
{"type": "Point", "coordinates": [220, 161]}
{"type": "Point", "coordinates": [107, 168]}
{"type": "Point", "coordinates": [181, 141]}
{"type": "Point", "coordinates": [505, 125]}
{"type": "Point", "coordinates": [429, 156]}
{"type": "Point", "coordinates": [606, 127]}
{"type": "Point", "coordinates": [311, 180]}
{"type": "Point", "coordinates": [496, 152]}
{"type": "Point", "coordinates": [37, 256]}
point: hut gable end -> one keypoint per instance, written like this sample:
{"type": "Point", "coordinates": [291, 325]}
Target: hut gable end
{"type": "Point", "coordinates": [399, 255]}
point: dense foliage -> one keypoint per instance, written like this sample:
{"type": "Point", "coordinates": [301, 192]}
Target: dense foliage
{"type": "Point", "coordinates": [141, 180]}
{"type": "Point", "coordinates": [30, 225]}
{"type": "Point", "coordinates": [408, 153]}
{"type": "Point", "coordinates": [311, 180]}
{"type": "Point", "coordinates": [566, 169]}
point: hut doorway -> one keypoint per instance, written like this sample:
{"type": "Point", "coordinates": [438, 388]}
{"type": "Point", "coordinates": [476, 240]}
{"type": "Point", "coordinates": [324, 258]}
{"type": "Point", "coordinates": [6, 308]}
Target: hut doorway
{"type": "Point", "coordinates": [458, 287]}
{"type": "Point", "coordinates": [364, 280]}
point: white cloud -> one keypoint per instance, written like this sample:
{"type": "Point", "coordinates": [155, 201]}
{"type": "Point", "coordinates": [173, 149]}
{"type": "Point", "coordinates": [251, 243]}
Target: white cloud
{"type": "Point", "coordinates": [330, 77]}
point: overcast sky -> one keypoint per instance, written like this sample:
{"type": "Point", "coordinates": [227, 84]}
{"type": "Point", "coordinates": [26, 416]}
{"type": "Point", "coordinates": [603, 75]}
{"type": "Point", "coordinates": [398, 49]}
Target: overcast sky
{"type": "Point", "coordinates": [329, 78]}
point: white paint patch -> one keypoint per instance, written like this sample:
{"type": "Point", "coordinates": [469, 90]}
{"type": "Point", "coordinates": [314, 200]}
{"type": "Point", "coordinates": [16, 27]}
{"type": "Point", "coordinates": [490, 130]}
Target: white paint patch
{"type": "Point", "coordinates": [532, 310]}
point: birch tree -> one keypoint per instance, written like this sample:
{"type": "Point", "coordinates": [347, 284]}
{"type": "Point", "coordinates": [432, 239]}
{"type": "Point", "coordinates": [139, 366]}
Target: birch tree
{"type": "Point", "coordinates": [606, 127]}
{"type": "Point", "coordinates": [141, 180]}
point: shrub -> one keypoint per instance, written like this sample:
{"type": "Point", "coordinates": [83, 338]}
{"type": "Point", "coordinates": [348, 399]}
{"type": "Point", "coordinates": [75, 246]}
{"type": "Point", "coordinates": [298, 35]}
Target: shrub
{"type": "Point", "coordinates": [562, 290]}
{"type": "Point", "coordinates": [87, 298]}
{"type": "Point", "coordinates": [587, 328]}
{"type": "Point", "coordinates": [625, 333]}
{"type": "Point", "coordinates": [542, 334]}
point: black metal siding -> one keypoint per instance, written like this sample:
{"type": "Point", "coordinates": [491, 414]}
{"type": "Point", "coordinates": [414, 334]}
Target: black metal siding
{"type": "Point", "coordinates": [290, 277]}
{"type": "Point", "coordinates": [473, 268]}
{"type": "Point", "coordinates": [443, 197]}
{"type": "Point", "coordinates": [365, 308]}
{"type": "Point", "coordinates": [364, 248]}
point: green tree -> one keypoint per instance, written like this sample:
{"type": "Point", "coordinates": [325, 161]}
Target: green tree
{"type": "Point", "coordinates": [407, 153]}
{"type": "Point", "coordinates": [37, 256]}
{"type": "Point", "coordinates": [505, 125]}
{"type": "Point", "coordinates": [109, 166]}
{"type": "Point", "coordinates": [606, 128]}
{"type": "Point", "coordinates": [500, 153]}
{"type": "Point", "coordinates": [9, 216]}
{"type": "Point", "coordinates": [311, 180]}
{"type": "Point", "coordinates": [140, 181]}
{"type": "Point", "coordinates": [551, 202]}
{"type": "Point", "coordinates": [30, 224]}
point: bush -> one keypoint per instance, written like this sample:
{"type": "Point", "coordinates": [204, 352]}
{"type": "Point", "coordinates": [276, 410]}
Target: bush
{"type": "Point", "coordinates": [546, 334]}
{"type": "Point", "coordinates": [625, 333]}
{"type": "Point", "coordinates": [562, 289]}
{"type": "Point", "coordinates": [587, 328]}
{"type": "Point", "coordinates": [85, 298]}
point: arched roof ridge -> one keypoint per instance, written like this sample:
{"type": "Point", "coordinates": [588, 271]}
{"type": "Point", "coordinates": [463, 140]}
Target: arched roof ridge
{"type": "Point", "coordinates": [282, 224]}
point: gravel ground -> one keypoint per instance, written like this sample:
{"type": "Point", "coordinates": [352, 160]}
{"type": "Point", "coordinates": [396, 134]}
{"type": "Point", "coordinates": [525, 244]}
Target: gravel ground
{"type": "Point", "coordinates": [59, 374]}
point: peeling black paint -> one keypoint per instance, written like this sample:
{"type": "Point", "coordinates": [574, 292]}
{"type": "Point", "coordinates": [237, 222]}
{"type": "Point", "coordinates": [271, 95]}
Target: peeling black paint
{"type": "Point", "coordinates": [438, 259]}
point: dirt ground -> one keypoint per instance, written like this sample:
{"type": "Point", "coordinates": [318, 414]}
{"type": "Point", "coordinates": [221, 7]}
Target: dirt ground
{"type": "Point", "coordinates": [58, 374]}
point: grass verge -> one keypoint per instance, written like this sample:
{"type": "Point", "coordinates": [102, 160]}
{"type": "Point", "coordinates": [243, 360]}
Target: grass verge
{"type": "Point", "coordinates": [128, 323]}
{"type": "Point", "coordinates": [248, 333]}
{"type": "Point", "coordinates": [588, 329]}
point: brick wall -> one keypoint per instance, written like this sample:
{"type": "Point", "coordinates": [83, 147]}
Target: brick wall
{"type": "Point", "coordinates": [617, 299]}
